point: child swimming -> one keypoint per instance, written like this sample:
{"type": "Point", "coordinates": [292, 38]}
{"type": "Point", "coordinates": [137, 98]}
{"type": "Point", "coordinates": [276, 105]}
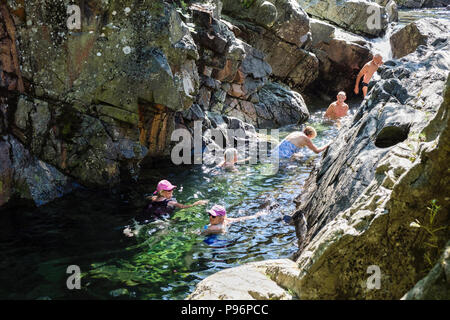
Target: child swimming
{"type": "Point", "coordinates": [231, 159]}
{"type": "Point", "coordinates": [161, 206]}
{"type": "Point", "coordinates": [218, 220]}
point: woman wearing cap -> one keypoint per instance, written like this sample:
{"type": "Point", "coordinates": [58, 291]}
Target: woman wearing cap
{"type": "Point", "coordinates": [218, 219]}
{"type": "Point", "coordinates": [161, 206]}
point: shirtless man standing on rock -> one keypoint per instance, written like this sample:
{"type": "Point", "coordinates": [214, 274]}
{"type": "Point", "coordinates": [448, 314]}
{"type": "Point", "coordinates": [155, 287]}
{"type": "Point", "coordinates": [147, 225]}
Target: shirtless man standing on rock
{"type": "Point", "coordinates": [367, 71]}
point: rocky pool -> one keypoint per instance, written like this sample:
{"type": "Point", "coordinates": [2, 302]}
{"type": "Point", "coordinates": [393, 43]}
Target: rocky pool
{"type": "Point", "coordinates": [168, 258]}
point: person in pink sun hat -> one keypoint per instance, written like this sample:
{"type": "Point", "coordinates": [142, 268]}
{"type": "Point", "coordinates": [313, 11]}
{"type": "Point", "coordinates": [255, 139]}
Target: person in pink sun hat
{"type": "Point", "coordinates": [161, 206]}
{"type": "Point", "coordinates": [218, 220]}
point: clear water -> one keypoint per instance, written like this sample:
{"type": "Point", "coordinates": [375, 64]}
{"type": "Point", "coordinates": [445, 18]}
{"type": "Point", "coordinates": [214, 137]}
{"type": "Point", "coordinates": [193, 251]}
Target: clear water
{"type": "Point", "coordinates": [168, 258]}
{"type": "Point", "coordinates": [408, 16]}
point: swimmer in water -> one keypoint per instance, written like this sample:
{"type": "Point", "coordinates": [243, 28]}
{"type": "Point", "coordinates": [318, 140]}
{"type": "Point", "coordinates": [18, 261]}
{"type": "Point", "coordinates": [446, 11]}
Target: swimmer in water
{"type": "Point", "coordinates": [337, 109]}
{"type": "Point", "coordinates": [231, 159]}
{"type": "Point", "coordinates": [161, 206]}
{"type": "Point", "coordinates": [218, 220]}
{"type": "Point", "coordinates": [291, 146]}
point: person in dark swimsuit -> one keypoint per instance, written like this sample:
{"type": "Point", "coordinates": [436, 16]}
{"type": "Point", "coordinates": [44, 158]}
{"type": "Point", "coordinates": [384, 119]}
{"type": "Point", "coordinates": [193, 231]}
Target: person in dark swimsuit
{"type": "Point", "coordinates": [366, 74]}
{"type": "Point", "coordinates": [161, 206]}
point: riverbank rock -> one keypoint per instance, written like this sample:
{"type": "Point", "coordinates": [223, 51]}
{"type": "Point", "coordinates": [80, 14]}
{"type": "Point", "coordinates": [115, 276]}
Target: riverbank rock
{"type": "Point", "coordinates": [436, 285]}
{"type": "Point", "coordinates": [277, 106]}
{"type": "Point", "coordinates": [266, 280]}
{"type": "Point", "coordinates": [381, 173]}
{"type": "Point", "coordinates": [26, 178]}
{"type": "Point", "coordinates": [341, 56]}
{"type": "Point", "coordinates": [288, 37]}
{"type": "Point", "coordinates": [368, 18]}
{"type": "Point", "coordinates": [355, 217]}
{"type": "Point", "coordinates": [420, 32]}
{"type": "Point", "coordinates": [93, 99]}
{"type": "Point", "coordinates": [415, 4]}
{"type": "Point", "coordinates": [235, 79]}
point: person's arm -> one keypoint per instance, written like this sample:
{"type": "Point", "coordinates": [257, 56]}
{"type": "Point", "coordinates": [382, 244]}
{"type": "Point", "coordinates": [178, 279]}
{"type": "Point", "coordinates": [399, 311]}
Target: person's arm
{"type": "Point", "coordinates": [311, 146]}
{"type": "Point", "coordinates": [329, 112]}
{"type": "Point", "coordinates": [244, 160]}
{"type": "Point", "coordinates": [358, 78]}
{"type": "Point", "coordinates": [261, 213]}
{"type": "Point", "coordinates": [184, 206]}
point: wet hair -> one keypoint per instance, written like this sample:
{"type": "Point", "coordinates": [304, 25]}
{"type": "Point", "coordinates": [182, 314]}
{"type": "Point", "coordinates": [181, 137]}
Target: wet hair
{"type": "Point", "coordinates": [230, 153]}
{"type": "Point", "coordinates": [310, 131]}
{"type": "Point", "coordinates": [342, 92]}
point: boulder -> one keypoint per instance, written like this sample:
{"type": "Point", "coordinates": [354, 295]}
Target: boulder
{"type": "Point", "coordinates": [363, 17]}
{"type": "Point", "coordinates": [277, 106]}
{"type": "Point", "coordinates": [436, 285]}
{"type": "Point", "coordinates": [98, 98]}
{"type": "Point", "coordinates": [341, 56]}
{"type": "Point", "coordinates": [252, 281]}
{"type": "Point", "coordinates": [26, 178]}
{"type": "Point", "coordinates": [380, 174]}
{"type": "Point", "coordinates": [289, 36]}
{"type": "Point", "coordinates": [415, 4]}
{"type": "Point", "coordinates": [284, 17]}
{"type": "Point", "coordinates": [421, 32]}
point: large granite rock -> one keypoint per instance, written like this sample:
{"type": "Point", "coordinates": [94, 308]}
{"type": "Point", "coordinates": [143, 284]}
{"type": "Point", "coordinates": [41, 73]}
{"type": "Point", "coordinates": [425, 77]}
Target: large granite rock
{"type": "Point", "coordinates": [415, 4]}
{"type": "Point", "coordinates": [379, 175]}
{"type": "Point", "coordinates": [341, 56]}
{"type": "Point", "coordinates": [94, 101]}
{"type": "Point", "coordinates": [266, 280]}
{"type": "Point", "coordinates": [25, 177]}
{"type": "Point", "coordinates": [277, 106]}
{"type": "Point", "coordinates": [354, 215]}
{"type": "Point", "coordinates": [436, 285]}
{"type": "Point", "coordinates": [420, 32]}
{"type": "Point", "coordinates": [235, 77]}
{"type": "Point", "coordinates": [368, 18]}
{"type": "Point", "coordinates": [288, 37]}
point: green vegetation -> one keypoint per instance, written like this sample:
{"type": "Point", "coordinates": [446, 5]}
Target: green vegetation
{"type": "Point", "coordinates": [432, 246]}
{"type": "Point", "coordinates": [248, 3]}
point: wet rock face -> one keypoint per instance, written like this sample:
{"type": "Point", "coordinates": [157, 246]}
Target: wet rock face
{"type": "Point", "coordinates": [363, 17]}
{"type": "Point", "coordinates": [421, 32]}
{"type": "Point", "coordinates": [288, 36]}
{"type": "Point", "coordinates": [252, 281]}
{"type": "Point", "coordinates": [436, 285]}
{"type": "Point", "coordinates": [341, 56]}
{"type": "Point", "coordinates": [234, 79]}
{"type": "Point", "coordinates": [414, 4]}
{"type": "Point", "coordinates": [90, 101]}
{"type": "Point", "coordinates": [379, 175]}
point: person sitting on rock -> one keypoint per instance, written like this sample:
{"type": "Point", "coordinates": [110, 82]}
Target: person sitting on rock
{"type": "Point", "coordinates": [337, 109]}
{"type": "Point", "coordinates": [218, 220]}
{"type": "Point", "coordinates": [231, 159]}
{"type": "Point", "coordinates": [295, 141]}
{"type": "Point", "coordinates": [367, 71]}
{"type": "Point", "coordinates": [161, 206]}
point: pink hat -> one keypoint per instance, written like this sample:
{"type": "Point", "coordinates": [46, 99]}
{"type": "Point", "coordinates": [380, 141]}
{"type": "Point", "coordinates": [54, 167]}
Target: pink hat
{"type": "Point", "coordinates": [164, 185]}
{"type": "Point", "coordinates": [217, 210]}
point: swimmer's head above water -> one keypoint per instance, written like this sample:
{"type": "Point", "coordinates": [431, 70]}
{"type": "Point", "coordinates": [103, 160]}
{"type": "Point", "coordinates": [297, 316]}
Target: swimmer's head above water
{"type": "Point", "coordinates": [310, 132]}
{"type": "Point", "coordinates": [164, 189]}
{"type": "Point", "coordinates": [217, 214]}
